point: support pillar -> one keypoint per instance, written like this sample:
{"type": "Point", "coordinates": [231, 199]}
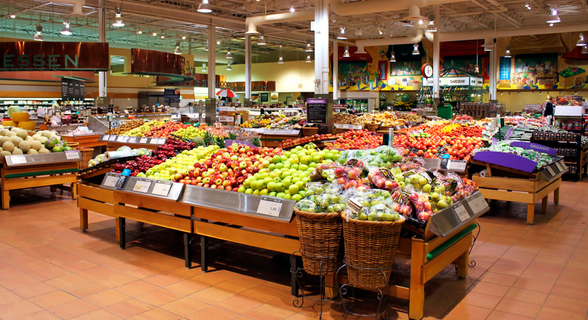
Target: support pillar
{"type": "Point", "coordinates": [321, 46]}
{"type": "Point", "coordinates": [211, 101]}
{"type": "Point", "coordinates": [102, 38]}
{"type": "Point", "coordinates": [492, 73]}
{"type": "Point", "coordinates": [436, 55]}
{"type": "Point", "coordinates": [335, 71]}
{"type": "Point", "coordinates": [247, 101]}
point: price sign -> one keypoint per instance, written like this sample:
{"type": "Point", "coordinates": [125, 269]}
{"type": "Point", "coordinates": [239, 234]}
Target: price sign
{"type": "Point", "coordinates": [112, 138]}
{"type": "Point", "coordinates": [161, 188]}
{"type": "Point", "coordinates": [143, 140]}
{"type": "Point", "coordinates": [269, 206]}
{"type": "Point", "coordinates": [461, 211]}
{"type": "Point", "coordinates": [226, 119]}
{"type": "Point", "coordinates": [457, 165]}
{"type": "Point", "coordinates": [563, 164]}
{"type": "Point", "coordinates": [120, 139]}
{"type": "Point", "coordinates": [110, 180]}
{"type": "Point", "coordinates": [18, 159]}
{"type": "Point", "coordinates": [134, 140]}
{"type": "Point", "coordinates": [105, 137]}
{"type": "Point", "coordinates": [71, 155]}
{"type": "Point", "coordinates": [142, 186]}
{"type": "Point", "coordinates": [550, 170]}
{"type": "Point", "coordinates": [477, 203]}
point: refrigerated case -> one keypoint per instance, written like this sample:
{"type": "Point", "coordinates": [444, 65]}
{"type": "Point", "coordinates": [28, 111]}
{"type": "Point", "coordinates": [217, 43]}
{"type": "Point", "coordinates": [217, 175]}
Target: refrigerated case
{"type": "Point", "coordinates": [355, 105]}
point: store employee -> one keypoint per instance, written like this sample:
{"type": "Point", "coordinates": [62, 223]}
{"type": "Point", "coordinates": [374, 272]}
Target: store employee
{"type": "Point", "coordinates": [549, 108]}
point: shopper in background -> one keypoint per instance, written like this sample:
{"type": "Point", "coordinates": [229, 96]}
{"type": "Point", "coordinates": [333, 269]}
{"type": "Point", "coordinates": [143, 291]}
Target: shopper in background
{"type": "Point", "coordinates": [549, 108]}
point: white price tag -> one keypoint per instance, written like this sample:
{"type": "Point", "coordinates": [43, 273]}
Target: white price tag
{"type": "Point", "coordinates": [110, 181]}
{"type": "Point", "coordinates": [18, 159]}
{"type": "Point", "coordinates": [269, 206]}
{"type": "Point", "coordinates": [112, 138]}
{"type": "Point", "coordinates": [70, 155]}
{"type": "Point", "coordinates": [477, 203]}
{"type": "Point", "coordinates": [105, 137]}
{"type": "Point", "coordinates": [133, 140]}
{"type": "Point", "coordinates": [550, 170]}
{"type": "Point", "coordinates": [142, 186]}
{"type": "Point", "coordinates": [461, 212]}
{"type": "Point", "coordinates": [143, 140]}
{"type": "Point", "coordinates": [120, 139]}
{"type": "Point", "coordinates": [162, 140]}
{"type": "Point", "coordinates": [559, 166]}
{"type": "Point", "coordinates": [457, 165]}
{"type": "Point", "coordinates": [161, 189]}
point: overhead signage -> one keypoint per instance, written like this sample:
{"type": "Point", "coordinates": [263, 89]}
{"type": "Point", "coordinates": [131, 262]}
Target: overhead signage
{"type": "Point", "coordinates": [63, 56]}
{"type": "Point", "coordinates": [316, 110]}
{"type": "Point", "coordinates": [171, 95]}
{"type": "Point", "coordinates": [455, 82]}
{"type": "Point", "coordinates": [72, 89]}
{"type": "Point", "coordinates": [156, 62]}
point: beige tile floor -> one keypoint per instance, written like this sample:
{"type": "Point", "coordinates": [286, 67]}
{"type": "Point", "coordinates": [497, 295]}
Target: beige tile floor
{"type": "Point", "coordinates": [49, 269]}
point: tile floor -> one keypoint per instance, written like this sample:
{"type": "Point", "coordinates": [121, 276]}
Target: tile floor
{"type": "Point", "coordinates": [49, 269]}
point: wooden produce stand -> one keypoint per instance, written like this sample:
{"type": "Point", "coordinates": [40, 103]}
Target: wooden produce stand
{"type": "Point", "coordinates": [39, 170]}
{"type": "Point", "coordinates": [513, 182]}
{"type": "Point", "coordinates": [85, 141]}
{"type": "Point", "coordinates": [92, 197]}
{"type": "Point", "coordinates": [114, 142]}
{"type": "Point", "coordinates": [273, 138]}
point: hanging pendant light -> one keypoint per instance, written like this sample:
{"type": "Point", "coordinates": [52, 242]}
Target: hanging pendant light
{"type": "Point", "coordinates": [415, 50]}
{"type": "Point", "coordinates": [346, 52]}
{"type": "Point", "coordinates": [177, 50]}
{"type": "Point", "coordinates": [585, 50]}
{"type": "Point", "coordinates": [229, 67]}
{"type": "Point", "coordinates": [154, 34]}
{"type": "Point", "coordinates": [139, 31]}
{"type": "Point", "coordinates": [308, 59]}
{"type": "Point", "coordinates": [38, 36]}
{"type": "Point", "coordinates": [118, 22]}
{"type": "Point", "coordinates": [554, 16]}
{"type": "Point", "coordinates": [229, 54]}
{"type": "Point", "coordinates": [261, 41]}
{"type": "Point", "coordinates": [308, 46]}
{"type": "Point", "coordinates": [392, 57]}
{"type": "Point", "coordinates": [281, 57]}
{"type": "Point", "coordinates": [508, 55]}
{"type": "Point", "coordinates": [204, 7]}
{"type": "Point", "coordinates": [341, 35]}
{"type": "Point", "coordinates": [204, 68]}
{"type": "Point", "coordinates": [66, 31]}
{"type": "Point", "coordinates": [582, 41]}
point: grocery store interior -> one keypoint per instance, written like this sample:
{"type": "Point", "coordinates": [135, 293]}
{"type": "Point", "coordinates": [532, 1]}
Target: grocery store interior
{"type": "Point", "coordinates": [257, 159]}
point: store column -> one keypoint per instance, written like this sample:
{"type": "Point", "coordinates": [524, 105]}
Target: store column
{"type": "Point", "coordinates": [211, 101]}
{"type": "Point", "coordinates": [335, 71]}
{"type": "Point", "coordinates": [247, 101]}
{"type": "Point", "coordinates": [492, 74]}
{"type": "Point", "coordinates": [321, 59]}
{"type": "Point", "coordinates": [436, 56]}
{"type": "Point", "coordinates": [102, 38]}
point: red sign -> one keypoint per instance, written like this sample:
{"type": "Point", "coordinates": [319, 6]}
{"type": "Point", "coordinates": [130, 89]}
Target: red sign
{"type": "Point", "coordinates": [64, 56]}
{"type": "Point", "coordinates": [156, 62]}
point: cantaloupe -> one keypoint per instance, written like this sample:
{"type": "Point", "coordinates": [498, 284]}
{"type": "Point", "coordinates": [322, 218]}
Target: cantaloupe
{"type": "Point", "coordinates": [44, 150]}
{"type": "Point", "coordinates": [37, 145]}
{"type": "Point", "coordinates": [4, 139]}
{"type": "Point", "coordinates": [4, 153]}
{"type": "Point", "coordinates": [28, 125]}
{"type": "Point", "coordinates": [8, 123]}
{"type": "Point", "coordinates": [29, 139]}
{"type": "Point", "coordinates": [16, 140]}
{"type": "Point", "coordinates": [11, 134]}
{"type": "Point", "coordinates": [19, 116]}
{"type": "Point", "coordinates": [8, 146]}
{"type": "Point", "coordinates": [4, 132]}
{"type": "Point", "coordinates": [46, 134]}
{"type": "Point", "coordinates": [17, 151]}
{"type": "Point", "coordinates": [24, 146]}
{"type": "Point", "coordinates": [32, 151]}
{"type": "Point", "coordinates": [43, 140]}
{"type": "Point", "coordinates": [36, 136]}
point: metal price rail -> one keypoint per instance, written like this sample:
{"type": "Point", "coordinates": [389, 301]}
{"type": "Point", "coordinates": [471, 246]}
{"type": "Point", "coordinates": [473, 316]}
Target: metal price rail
{"type": "Point", "coordinates": [269, 223]}
{"type": "Point", "coordinates": [38, 170]}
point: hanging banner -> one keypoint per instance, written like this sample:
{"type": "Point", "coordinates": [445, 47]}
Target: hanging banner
{"type": "Point", "coordinates": [63, 56]}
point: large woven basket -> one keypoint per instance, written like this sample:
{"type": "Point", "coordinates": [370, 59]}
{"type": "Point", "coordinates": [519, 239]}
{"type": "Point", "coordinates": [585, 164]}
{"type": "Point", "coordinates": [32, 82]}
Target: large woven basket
{"type": "Point", "coordinates": [320, 240]}
{"type": "Point", "coordinates": [86, 154]}
{"type": "Point", "coordinates": [370, 249]}
{"type": "Point", "coordinates": [372, 126]}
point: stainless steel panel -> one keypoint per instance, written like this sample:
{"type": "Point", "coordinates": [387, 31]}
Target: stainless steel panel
{"type": "Point", "coordinates": [23, 160]}
{"type": "Point", "coordinates": [236, 202]}
{"type": "Point", "coordinates": [445, 223]}
{"type": "Point", "coordinates": [175, 192]}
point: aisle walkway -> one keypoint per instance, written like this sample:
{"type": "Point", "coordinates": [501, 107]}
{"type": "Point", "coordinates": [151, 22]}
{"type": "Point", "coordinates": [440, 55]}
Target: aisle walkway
{"type": "Point", "coordinates": [51, 270]}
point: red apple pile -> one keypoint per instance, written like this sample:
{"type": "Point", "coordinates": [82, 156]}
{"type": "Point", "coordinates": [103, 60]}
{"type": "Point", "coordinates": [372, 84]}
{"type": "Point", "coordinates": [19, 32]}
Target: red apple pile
{"type": "Point", "coordinates": [140, 164]}
{"type": "Point", "coordinates": [227, 168]}
{"type": "Point", "coordinates": [356, 140]}
{"type": "Point", "coordinates": [165, 130]}
{"type": "Point", "coordinates": [290, 143]}
{"type": "Point", "coordinates": [382, 179]}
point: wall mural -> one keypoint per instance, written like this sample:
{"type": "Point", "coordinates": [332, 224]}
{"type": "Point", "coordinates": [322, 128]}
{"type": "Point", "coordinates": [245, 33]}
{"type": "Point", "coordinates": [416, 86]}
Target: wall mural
{"type": "Point", "coordinates": [353, 75]}
{"type": "Point", "coordinates": [406, 68]}
{"type": "Point", "coordinates": [467, 63]}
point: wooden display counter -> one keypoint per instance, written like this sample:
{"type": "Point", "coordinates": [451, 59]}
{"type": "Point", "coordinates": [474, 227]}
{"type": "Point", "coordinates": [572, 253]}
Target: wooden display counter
{"type": "Point", "coordinates": [39, 170]}
{"type": "Point", "coordinates": [89, 141]}
{"type": "Point", "coordinates": [274, 138]}
{"type": "Point", "coordinates": [501, 183]}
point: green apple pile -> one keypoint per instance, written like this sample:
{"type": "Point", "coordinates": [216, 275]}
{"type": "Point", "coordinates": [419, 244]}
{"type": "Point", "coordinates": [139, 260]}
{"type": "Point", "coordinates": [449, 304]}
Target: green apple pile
{"type": "Point", "coordinates": [190, 133]}
{"type": "Point", "coordinates": [143, 129]}
{"type": "Point", "coordinates": [180, 164]}
{"type": "Point", "coordinates": [376, 205]}
{"type": "Point", "coordinates": [287, 174]}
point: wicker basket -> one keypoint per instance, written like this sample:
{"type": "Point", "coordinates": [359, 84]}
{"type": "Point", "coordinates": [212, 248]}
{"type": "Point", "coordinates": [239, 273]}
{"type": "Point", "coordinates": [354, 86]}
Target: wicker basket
{"type": "Point", "coordinates": [73, 145]}
{"type": "Point", "coordinates": [309, 131]}
{"type": "Point", "coordinates": [372, 126]}
{"type": "Point", "coordinates": [86, 154]}
{"type": "Point", "coordinates": [370, 249]}
{"type": "Point", "coordinates": [320, 237]}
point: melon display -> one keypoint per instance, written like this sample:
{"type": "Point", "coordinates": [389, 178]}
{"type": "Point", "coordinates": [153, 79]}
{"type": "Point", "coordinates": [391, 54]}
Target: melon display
{"type": "Point", "coordinates": [18, 141]}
